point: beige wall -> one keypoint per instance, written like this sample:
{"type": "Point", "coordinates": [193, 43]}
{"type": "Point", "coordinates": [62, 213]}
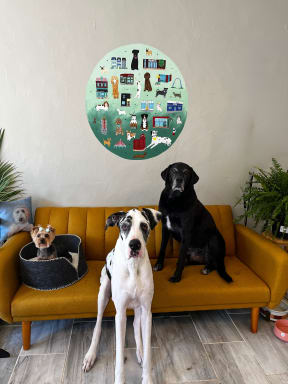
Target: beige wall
{"type": "Point", "coordinates": [234, 58]}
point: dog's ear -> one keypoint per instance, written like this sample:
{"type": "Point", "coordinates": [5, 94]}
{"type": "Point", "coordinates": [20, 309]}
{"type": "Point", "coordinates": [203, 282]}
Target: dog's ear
{"type": "Point", "coordinates": [152, 216]}
{"type": "Point", "coordinates": [194, 176]}
{"type": "Point", "coordinates": [165, 173]}
{"type": "Point", "coordinates": [35, 230]}
{"type": "Point", "coordinates": [49, 228]}
{"type": "Point", "coordinates": [114, 219]}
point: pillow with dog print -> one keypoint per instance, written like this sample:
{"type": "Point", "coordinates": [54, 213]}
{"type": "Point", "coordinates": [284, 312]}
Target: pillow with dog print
{"type": "Point", "coordinates": [15, 216]}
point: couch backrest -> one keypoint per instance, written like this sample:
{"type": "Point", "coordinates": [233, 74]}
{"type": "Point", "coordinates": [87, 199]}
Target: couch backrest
{"type": "Point", "coordinates": [88, 223]}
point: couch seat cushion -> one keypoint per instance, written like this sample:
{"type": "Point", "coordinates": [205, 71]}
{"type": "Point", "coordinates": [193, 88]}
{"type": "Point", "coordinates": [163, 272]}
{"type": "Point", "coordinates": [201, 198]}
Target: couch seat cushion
{"type": "Point", "coordinates": [195, 290]}
{"type": "Point", "coordinates": [77, 300]}
{"type": "Point", "coordinates": [208, 291]}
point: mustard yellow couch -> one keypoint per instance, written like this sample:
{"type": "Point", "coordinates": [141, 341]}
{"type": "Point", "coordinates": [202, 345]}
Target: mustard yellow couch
{"type": "Point", "coordinates": [258, 267]}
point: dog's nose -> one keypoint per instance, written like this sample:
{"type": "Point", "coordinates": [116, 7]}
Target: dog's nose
{"type": "Point", "coordinates": [135, 244]}
{"type": "Point", "coordinates": [42, 241]}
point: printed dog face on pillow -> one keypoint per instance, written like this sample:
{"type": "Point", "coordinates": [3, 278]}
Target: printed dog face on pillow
{"type": "Point", "coordinates": [43, 237]}
{"type": "Point", "coordinates": [15, 216]}
{"type": "Point", "coordinates": [21, 215]}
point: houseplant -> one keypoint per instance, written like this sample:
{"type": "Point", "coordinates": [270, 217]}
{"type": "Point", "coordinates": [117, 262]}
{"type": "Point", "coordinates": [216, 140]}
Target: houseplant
{"type": "Point", "coordinates": [9, 178]}
{"type": "Point", "coordinates": [265, 199]}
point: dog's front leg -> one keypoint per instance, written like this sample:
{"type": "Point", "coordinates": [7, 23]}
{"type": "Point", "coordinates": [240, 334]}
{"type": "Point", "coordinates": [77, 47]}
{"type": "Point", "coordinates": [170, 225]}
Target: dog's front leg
{"type": "Point", "coordinates": [165, 238]}
{"type": "Point", "coordinates": [138, 335]}
{"type": "Point", "coordinates": [103, 298]}
{"type": "Point", "coordinates": [180, 264]}
{"type": "Point", "coordinates": [120, 325]}
{"type": "Point", "coordinates": [146, 324]}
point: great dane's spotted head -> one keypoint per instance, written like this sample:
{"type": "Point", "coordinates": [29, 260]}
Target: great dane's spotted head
{"type": "Point", "coordinates": [134, 227]}
{"type": "Point", "coordinates": [178, 177]}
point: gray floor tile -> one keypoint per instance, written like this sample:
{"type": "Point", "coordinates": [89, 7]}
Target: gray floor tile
{"type": "Point", "coordinates": [235, 363]}
{"type": "Point", "coordinates": [271, 352]}
{"type": "Point", "coordinates": [130, 339]}
{"type": "Point", "coordinates": [11, 339]}
{"type": "Point", "coordinates": [178, 356]}
{"type": "Point", "coordinates": [6, 368]}
{"type": "Point", "coordinates": [215, 327]}
{"type": "Point", "coordinates": [49, 337]}
{"type": "Point", "coordinates": [278, 379]}
{"type": "Point", "coordinates": [133, 371]}
{"type": "Point", "coordinates": [79, 344]}
{"type": "Point", "coordinates": [39, 369]}
{"type": "Point", "coordinates": [181, 357]}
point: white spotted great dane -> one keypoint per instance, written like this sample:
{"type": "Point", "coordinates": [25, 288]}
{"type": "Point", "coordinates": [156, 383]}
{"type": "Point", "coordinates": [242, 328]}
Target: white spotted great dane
{"type": "Point", "coordinates": [127, 277]}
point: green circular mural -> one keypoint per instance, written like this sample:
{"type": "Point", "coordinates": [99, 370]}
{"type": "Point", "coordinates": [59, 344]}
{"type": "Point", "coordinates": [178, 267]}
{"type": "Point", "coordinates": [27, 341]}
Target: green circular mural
{"type": "Point", "coordinates": [136, 101]}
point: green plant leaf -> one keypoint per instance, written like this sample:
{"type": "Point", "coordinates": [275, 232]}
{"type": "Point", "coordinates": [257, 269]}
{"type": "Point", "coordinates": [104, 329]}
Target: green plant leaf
{"type": "Point", "coordinates": [265, 199]}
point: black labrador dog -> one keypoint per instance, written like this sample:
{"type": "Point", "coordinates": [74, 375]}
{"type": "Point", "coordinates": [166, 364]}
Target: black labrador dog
{"type": "Point", "coordinates": [189, 222]}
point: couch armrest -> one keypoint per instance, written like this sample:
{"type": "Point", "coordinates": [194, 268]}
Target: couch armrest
{"type": "Point", "coordinates": [266, 259]}
{"type": "Point", "coordinates": [9, 273]}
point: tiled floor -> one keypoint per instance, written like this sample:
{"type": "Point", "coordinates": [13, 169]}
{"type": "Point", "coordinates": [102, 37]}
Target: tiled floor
{"type": "Point", "coordinates": [210, 347]}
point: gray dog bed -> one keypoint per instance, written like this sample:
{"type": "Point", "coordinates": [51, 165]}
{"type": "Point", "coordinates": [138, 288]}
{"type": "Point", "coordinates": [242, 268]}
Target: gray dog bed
{"type": "Point", "coordinates": [56, 273]}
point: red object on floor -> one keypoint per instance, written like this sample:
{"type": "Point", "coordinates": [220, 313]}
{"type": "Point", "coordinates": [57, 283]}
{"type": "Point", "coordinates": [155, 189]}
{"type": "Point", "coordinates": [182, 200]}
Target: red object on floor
{"type": "Point", "coordinates": [281, 330]}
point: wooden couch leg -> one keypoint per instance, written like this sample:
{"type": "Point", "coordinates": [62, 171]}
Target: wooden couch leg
{"type": "Point", "coordinates": [254, 319]}
{"type": "Point", "coordinates": [26, 334]}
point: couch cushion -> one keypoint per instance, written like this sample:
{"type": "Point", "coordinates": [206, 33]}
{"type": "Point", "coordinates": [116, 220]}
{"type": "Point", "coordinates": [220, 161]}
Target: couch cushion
{"type": "Point", "coordinates": [88, 223]}
{"type": "Point", "coordinates": [79, 298]}
{"type": "Point", "coordinates": [197, 290]}
{"type": "Point", "coordinates": [194, 291]}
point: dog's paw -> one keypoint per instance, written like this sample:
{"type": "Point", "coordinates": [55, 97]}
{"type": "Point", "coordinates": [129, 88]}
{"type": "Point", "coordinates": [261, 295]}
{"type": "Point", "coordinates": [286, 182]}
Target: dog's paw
{"type": "Point", "coordinates": [158, 267]}
{"type": "Point", "coordinates": [205, 271]}
{"type": "Point", "coordinates": [119, 380]}
{"type": "Point", "coordinates": [139, 355]}
{"type": "Point", "coordinates": [147, 380]}
{"type": "Point", "coordinates": [174, 279]}
{"type": "Point", "coordinates": [88, 361]}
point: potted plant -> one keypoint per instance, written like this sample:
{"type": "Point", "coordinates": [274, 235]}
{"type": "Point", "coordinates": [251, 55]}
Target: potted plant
{"type": "Point", "coordinates": [265, 199]}
{"type": "Point", "coordinates": [9, 178]}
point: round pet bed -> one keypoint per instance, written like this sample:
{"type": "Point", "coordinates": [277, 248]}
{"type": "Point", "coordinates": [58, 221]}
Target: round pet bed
{"type": "Point", "coordinates": [56, 273]}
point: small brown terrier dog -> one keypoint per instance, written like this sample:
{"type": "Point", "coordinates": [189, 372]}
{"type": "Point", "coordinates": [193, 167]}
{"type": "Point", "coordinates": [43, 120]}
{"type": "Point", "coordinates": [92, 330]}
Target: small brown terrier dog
{"type": "Point", "coordinates": [43, 238]}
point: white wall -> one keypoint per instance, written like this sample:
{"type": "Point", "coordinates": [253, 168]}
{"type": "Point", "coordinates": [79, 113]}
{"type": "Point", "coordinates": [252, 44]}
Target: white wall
{"type": "Point", "coordinates": [234, 58]}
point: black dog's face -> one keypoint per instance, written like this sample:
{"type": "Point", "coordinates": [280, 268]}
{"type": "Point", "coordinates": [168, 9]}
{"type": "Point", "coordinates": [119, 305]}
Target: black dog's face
{"type": "Point", "coordinates": [178, 177]}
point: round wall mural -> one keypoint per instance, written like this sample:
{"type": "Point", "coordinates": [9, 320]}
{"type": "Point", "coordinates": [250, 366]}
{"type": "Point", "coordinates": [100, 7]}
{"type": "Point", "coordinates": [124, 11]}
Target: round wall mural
{"type": "Point", "coordinates": [136, 102]}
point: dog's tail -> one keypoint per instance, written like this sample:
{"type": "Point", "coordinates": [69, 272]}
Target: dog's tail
{"type": "Point", "coordinates": [222, 273]}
